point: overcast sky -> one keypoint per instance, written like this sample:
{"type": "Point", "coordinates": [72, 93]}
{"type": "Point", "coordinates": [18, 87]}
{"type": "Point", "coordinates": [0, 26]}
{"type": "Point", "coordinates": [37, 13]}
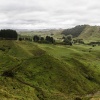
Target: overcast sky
{"type": "Point", "coordinates": [41, 14]}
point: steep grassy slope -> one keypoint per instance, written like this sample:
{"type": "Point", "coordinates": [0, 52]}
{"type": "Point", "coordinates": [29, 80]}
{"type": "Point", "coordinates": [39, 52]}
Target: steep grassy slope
{"type": "Point", "coordinates": [32, 71]}
{"type": "Point", "coordinates": [82, 60]}
{"type": "Point", "coordinates": [91, 33]}
{"type": "Point", "coordinates": [86, 32]}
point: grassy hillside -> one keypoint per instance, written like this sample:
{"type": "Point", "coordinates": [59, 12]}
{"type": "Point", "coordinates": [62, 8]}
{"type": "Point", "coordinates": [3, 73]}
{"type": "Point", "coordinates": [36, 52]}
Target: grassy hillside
{"type": "Point", "coordinates": [86, 32]}
{"type": "Point", "coordinates": [91, 33]}
{"type": "Point", "coordinates": [30, 71]}
{"type": "Point", "coordinates": [44, 33]}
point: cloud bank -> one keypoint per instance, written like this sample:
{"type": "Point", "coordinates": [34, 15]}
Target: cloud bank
{"type": "Point", "coordinates": [44, 14]}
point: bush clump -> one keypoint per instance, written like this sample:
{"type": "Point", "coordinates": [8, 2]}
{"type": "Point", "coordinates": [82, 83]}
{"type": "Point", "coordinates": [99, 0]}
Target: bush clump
{"type": "Point", "coordinates": [8, 74]}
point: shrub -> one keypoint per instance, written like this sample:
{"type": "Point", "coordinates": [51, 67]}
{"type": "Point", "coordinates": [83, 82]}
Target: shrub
{"type": "Point", "coordinates": [8, 74]}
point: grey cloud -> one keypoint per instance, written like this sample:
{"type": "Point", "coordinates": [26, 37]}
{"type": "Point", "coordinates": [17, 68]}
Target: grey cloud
{"type": "Point", "coordinates": [35, 14]}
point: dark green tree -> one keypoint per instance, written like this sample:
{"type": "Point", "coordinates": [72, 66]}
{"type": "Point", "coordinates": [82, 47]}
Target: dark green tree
{"type": "Point", "coordinates": [68, 40]}
{"type": "Point", "coordinates": [8, 34]}
{"type": "Point", "coordinates": [49, 39]}
{"type": "Point", "coordinates": [41, 39]}
{"type": "Point", "coordinates": [36, 38]}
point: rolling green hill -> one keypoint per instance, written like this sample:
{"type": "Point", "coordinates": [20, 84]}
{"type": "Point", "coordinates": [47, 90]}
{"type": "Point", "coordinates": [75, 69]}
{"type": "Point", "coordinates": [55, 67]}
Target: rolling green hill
{"type": "Point", "coordinates": [91, 33]}
{"type": "Point", "coordinates": [30, 71]}
{"type": "Point", "coordinates": [86, 32]}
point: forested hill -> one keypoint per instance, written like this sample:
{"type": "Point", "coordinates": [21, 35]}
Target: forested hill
{"type": "Point", "coordinates": [76, 31]}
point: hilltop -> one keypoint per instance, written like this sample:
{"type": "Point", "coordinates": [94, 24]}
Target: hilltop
{"type": "Point", "coordinates": [91, 33]}
{"type": "Point", "coordinates": [86, 32]}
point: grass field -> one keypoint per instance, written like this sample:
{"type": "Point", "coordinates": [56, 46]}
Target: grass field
{"type": "Point", "coordinates": [31, 71]}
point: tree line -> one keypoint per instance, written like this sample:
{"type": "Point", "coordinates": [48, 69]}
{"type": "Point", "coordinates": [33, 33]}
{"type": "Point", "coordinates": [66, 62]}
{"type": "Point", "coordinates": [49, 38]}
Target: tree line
{"type": "Point", "coordinates": [8, 34]}
{"type": "Point", "coordinates": [12, 35]}
{"type": "Point", "coordinates": [39, 39]}
{"type": "Point", "coordinates": [47, 39]}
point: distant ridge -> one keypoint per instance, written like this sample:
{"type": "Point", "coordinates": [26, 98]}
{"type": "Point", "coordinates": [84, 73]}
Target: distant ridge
{"type": "Point", "coordinates": [76, 31]}
{"type": "Point", "coordinates": [90, 33]}
{"type": "Point", "coordinates": [86, 32]}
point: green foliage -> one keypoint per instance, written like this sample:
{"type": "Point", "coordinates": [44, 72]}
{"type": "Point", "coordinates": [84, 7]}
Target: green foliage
{"type": "Point", "coordinates": [49, 39]}
{"type": "Point", "coordinates": [20, 38]}
{"type": "Point", "coordinates": [80, 41]}
{"type": "Point", "coordinates": [8, 73]}
{"type": "Point", "coordinates": [68, 40]}
{"type": "Point", "coordinates": [40, 39]}
{"type": "Point", "coordinates": [36, 38]}
{"type": "Point", "coordinates": [8, 34]}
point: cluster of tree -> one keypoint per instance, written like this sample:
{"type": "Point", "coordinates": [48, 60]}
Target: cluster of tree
{"type": "Point", "coordinates": [78, 41]}
{"type": "Point", "coordinates": [49, 39]}
{"type": "Point", "coordinates": [8, 34]}
{"type": "Point", "coordinates": [24, 38]}
{"type": "Point", "coordinates": [68, 40]}
{"type": "Point", "coordinates": [39, 39]}
{"type": "Point", "coordinates": [36, 38]}
{"type": "Point", "coordinates": [94, 43]}
{"type": "Point", "coordinates": [20, 38]}
{"type": "Point", "coordinates": [27, 39]}
{"type": "Point", "coordinates": [75, 32]}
